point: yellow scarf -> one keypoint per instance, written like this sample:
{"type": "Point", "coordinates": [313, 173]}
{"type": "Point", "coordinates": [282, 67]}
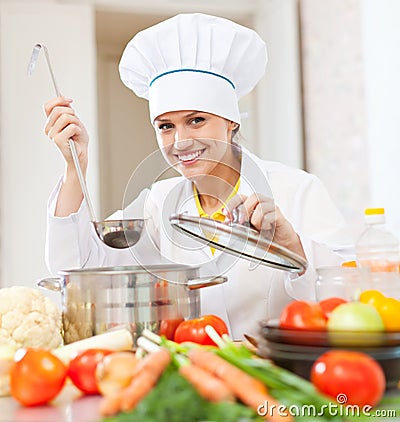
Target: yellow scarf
{"type": "Point", "coordinates": [217, 215]}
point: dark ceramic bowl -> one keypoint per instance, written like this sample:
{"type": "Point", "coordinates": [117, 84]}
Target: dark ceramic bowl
{"type": "Point", "coordinates": [297, 350]}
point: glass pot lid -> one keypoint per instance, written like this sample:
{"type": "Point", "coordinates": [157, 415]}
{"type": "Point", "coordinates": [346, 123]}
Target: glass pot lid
{"type": "Point", "coordinates": [239, 240]}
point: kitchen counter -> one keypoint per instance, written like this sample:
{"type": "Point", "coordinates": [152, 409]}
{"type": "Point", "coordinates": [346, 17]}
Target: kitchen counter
{"type": "Point", "coordinates": [69, 406]}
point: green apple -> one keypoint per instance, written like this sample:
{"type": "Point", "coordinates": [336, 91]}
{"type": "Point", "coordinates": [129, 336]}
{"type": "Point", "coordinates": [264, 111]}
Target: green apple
{"type": "Point", "coordinates": [355, 324]}
{"type": "Point", "coordinates": [355, 316]}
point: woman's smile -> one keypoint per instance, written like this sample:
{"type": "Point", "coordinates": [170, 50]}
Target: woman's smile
{"type": "Point", "coordinates": [189, 157]}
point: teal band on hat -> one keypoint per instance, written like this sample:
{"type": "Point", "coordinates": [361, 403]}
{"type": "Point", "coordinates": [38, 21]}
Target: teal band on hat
{"type": "Point", "coordinates": [193, 70]}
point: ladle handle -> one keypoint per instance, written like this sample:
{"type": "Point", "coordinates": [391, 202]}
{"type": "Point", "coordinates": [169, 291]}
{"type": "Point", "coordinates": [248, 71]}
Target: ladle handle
{"type": "Point", "coordinates": [31, 66]}
{"type": "Point", "coordinates": [82, 180]}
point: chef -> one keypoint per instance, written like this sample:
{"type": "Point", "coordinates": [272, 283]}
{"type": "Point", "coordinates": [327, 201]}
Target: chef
{"type": "Point", "coordinates": [193, 69]}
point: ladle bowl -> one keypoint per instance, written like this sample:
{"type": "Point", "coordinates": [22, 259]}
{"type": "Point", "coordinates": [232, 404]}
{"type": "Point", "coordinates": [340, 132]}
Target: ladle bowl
{"type": "Point", "coordinates": [118, 234]}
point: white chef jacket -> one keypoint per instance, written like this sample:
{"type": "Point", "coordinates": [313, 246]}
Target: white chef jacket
{"type": "Point", "coordinates": [252, 292]}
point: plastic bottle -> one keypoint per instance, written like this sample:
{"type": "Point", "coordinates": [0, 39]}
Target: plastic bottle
{"type": "Point", "coordinates": [377, 248]}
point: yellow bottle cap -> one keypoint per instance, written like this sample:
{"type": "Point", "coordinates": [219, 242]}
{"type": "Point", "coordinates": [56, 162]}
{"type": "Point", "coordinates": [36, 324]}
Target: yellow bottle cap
{"type": "Point", "coordinates": [374, 211]}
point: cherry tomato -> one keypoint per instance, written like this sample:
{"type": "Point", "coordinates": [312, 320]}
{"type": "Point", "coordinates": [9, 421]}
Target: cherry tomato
{"type": "Point", "coordinates": [82, 369]}
{"type": "Point", "coordinates": [194, 329]}
{"type": "Point", "coordinates": [301, 314]}
{"type": "Point", "coordinates": [328, 305]}
{"type": "Point", "coordinates": [36, 376]}
{"type": "Point", "coordinates": [168, 327]}
{"type": "Point", "coordinates": [351, 377]}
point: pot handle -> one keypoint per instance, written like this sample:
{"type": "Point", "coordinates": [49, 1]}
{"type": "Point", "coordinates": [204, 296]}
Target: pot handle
{"type": "Point", "coordinates": [200, 282]}
{"type": "Point", "coordinates": [50, 283]}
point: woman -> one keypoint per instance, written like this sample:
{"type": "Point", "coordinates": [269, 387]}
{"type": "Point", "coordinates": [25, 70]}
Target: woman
{"type": "Point", "coordinates": [193, 68]}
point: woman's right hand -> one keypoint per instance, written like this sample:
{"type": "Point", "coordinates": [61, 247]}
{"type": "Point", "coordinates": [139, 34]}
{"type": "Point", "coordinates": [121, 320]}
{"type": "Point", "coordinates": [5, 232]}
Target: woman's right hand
{"type": "Point", "coordinates": [61, 125]}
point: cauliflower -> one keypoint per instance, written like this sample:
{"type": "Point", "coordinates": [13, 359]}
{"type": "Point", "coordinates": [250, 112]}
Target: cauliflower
{"type": "Point", "coordinates": [29, 319]}
{"type": "Point", "coordinates": [6, 359]}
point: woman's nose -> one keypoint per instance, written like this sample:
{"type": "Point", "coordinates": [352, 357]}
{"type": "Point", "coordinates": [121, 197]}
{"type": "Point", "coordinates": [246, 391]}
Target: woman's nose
{"type": "Point", "coordinates": [182, 140]}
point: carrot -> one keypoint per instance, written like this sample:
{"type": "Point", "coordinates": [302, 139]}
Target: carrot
{"type": "Point", "coordinates": [209, 386]}
{"type": "Point", "coordinates": [154, 362]}
{"type": "Point", "coordinates": [246, 388]}
{"type": "Point", "coordinates": [110, 405]}
{"type": "Point", "coordinates": [149, 370]}
{"type": "Point", "coordinates": [140, 386]}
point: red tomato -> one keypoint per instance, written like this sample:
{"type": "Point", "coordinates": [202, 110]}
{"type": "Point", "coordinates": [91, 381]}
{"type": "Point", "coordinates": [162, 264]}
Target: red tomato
{"type": "Point", "coordinates": [82, 369]}
{"type": "Point", "coordinates": [194, 329]}
{"type": "Point", "coordinates": [351, 377]}
{"type": "Point", "coordinates": [300, 314]}
{"type": "Point", "coordinates": [328, 305]}
{"type": "Point", "coordinates": [168, 327]}
{"type": "Point", "coordinates": [36, 376]}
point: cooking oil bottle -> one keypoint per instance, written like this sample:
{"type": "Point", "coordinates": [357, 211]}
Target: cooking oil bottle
{"type": "Point", "coordinates": [377, 248]}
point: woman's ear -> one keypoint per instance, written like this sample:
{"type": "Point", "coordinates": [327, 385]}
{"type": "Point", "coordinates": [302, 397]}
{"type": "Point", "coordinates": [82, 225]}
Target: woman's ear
{"type": "Point", "coordinates": [234, 128]}
{"type": "Point", "coordinates": [233, 125]}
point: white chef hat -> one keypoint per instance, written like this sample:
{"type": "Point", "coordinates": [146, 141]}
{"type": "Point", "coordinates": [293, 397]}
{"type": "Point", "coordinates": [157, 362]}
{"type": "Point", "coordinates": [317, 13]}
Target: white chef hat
{"type": "Point", "coordinates": [194, 62]}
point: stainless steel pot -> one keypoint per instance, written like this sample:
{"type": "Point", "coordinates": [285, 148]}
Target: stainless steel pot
{"type": "Point", "coordinates": [95, 300]}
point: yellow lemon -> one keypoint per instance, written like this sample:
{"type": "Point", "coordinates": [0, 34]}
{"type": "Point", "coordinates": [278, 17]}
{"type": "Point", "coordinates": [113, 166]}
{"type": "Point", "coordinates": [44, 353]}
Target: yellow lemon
{"type": "Point", "coordinates": [372, 297]}
{"type": "Point", "coordinates": [389, 310]}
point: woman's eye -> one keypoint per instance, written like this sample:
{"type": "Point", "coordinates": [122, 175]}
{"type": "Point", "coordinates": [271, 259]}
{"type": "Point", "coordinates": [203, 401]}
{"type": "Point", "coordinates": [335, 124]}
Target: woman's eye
{"type": "Point", "coordinates": [197, 120]}
{"type": "Point", "coordinates": [165, 126]}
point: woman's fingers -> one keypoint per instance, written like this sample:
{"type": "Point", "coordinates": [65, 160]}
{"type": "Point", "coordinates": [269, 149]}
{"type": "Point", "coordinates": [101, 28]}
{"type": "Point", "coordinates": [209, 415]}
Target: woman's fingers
{"type": "Point", "coordinates": [58, 112]}
{"type": "Point", "coordinates": [235, 211]}
{"type": "Point", "coordinates": [266, 217]}
{"type": "Point", "coordinates": [63, 137]}
{"type": "Point", "coordinates": [54, 102]}
{"type": "Point", "coordinates": [63, 124]}
{"type": "Point", "coordinates": [263, 212]}
{"type": "Point", "coordinates": [55, 115]}
{"type": "Point", "coordinates": [242, 209]}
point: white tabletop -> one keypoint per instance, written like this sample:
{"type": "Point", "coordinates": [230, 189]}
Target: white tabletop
{"type": "Point", "coordinates": [69, 406]}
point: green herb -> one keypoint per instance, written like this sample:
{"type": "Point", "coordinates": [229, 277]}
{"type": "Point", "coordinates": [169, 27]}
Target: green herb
{"type": "Point", "coordinates": [175, 400]}
{"type": "Point", "coordinates": [288, 388]}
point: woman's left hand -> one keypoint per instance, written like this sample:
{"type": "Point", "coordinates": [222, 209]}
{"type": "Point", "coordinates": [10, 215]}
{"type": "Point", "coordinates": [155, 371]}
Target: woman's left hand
{"type": "Point", "coordinates": [266, 217]}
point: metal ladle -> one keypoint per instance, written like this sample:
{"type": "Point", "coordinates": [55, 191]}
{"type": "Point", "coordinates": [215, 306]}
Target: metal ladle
{"type": "Point", "coordinates": [119, 234]}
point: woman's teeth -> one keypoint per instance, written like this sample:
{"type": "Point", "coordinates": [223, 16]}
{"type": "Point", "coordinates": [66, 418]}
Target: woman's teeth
{"type": "Point", "coordinates": [189, 157]}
